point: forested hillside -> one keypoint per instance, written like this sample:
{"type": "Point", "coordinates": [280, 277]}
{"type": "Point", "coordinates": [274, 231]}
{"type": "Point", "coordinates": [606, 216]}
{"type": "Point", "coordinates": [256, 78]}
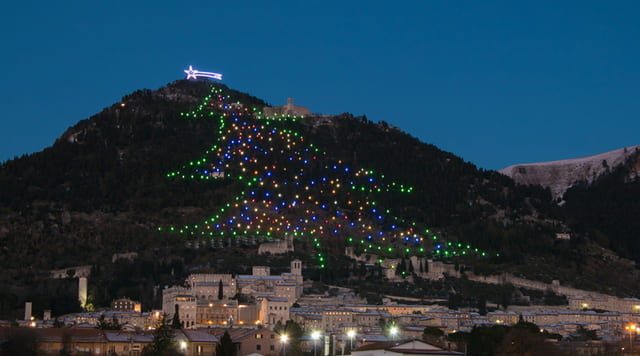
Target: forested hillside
{"type": "Point", "coordinates": [106, 187]}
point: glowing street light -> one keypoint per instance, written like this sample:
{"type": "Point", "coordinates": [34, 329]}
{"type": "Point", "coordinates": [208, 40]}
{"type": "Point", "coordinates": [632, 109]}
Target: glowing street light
{"type": "Point", "coordinates": [284, 339]}
{"type": "Point", "coordinates": [631, 328]}
{"type": "Point", "coordinates": [351, 335]}
{"type": "Point", "coordinates": [394, 332]}
{"type": "Point", "coordinates": [315, 336]}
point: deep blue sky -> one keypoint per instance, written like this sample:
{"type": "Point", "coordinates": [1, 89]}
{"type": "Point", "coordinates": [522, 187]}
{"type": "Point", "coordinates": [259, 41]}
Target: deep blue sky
{"type": "Point", "coordinates": [496, 83]}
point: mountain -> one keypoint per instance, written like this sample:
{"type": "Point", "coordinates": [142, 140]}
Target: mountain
{"type": "Point", "coordinates": [599, 195]}
{"type": "Point", "coordinates": [606, 208]}
{"type": "Point", "coordinates": [561, 175]}
{"type": "Point", "coordinates": [193, 177]}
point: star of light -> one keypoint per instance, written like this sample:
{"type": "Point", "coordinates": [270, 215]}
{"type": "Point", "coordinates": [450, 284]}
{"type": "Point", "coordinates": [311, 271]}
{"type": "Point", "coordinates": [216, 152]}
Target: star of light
{"type": "Point", "coordinates": [191, 73]}
{"type": "Point", "coordinates": [194, 74]}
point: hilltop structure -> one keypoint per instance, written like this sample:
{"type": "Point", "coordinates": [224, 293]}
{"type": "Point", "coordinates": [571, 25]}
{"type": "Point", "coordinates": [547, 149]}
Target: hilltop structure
{"type": "Point", "coordinates": [288, 109]}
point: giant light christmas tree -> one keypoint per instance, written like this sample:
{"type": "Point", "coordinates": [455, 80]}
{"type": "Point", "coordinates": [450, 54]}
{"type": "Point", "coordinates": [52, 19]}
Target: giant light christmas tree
{"type": "Point", "coordinates": [291, 188]}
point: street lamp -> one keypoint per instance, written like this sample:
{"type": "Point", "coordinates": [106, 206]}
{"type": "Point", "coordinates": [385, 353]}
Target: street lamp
{"type": "Point", "coordinates": [351, 334]}
{"type": "Point", "coordinates": [284, 339]}
{"type": "Point", "coordinates": [315, 336]}
{"type": "Point", "coordinates": [631, 328]}
{"type": "Point", "coordinates": [394, 332]}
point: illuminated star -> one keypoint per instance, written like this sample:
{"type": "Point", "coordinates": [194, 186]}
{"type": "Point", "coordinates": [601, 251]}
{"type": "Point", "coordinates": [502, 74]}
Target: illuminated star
{"type": "Point", "coordinates": [191, 73]}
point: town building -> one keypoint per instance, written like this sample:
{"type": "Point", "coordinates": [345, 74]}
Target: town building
{"type": "Point", "coordinates": [408, 348]}
{"type": "Point", "coordinates": [270, 296]}
{"type": "Point", "coordinates": [126, 304]}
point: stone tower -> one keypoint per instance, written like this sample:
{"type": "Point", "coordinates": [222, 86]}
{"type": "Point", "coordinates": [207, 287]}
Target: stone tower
{"type": "Point", "coordinates": [296, 267]}
{"type": "Point", "coordinates": [296, 271]}
{"type": "Point", "coordinates": [27, 310]}
{"type": "Point", "coordinates": [82, 291]}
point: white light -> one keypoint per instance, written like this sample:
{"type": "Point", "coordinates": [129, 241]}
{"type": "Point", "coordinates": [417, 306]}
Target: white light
{"type": "Point", "coordinates": [315, 335]}
{"type": "Point", "coordinates": [183, 345]}
{"type": "Point", "coordinates": [194, 74]}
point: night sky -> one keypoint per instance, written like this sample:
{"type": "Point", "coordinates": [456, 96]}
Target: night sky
{"type": "Point", "coordinates": [497, 83]}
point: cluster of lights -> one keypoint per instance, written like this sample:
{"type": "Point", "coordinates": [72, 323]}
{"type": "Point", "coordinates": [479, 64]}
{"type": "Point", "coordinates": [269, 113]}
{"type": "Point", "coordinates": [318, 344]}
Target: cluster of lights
{"type": "Point", "coordinates": [292, 188]}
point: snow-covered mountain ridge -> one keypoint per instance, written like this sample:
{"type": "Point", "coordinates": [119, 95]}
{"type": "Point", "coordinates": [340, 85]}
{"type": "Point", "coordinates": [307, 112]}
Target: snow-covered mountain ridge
{"type": "Point", "coordinates": [561, 175]}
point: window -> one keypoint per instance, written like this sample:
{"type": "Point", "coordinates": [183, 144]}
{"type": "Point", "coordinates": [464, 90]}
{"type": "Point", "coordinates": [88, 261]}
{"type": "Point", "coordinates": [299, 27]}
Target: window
{"type": "Point", "coordinates": [258, 336]}
{"type": "Point", "coordinates": [272, 336]}
{"type": "Point", "coordinates": [258, 346]}
{"type": "Point", "coordinates": [271, 348]}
